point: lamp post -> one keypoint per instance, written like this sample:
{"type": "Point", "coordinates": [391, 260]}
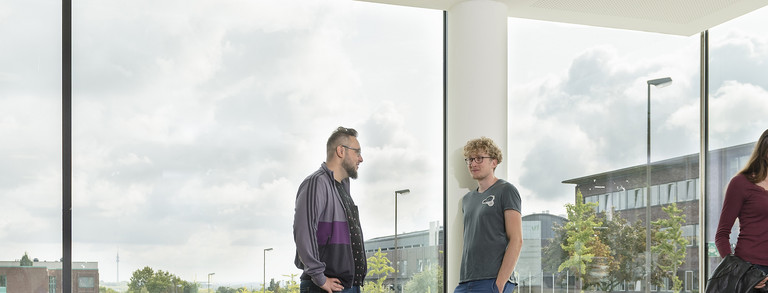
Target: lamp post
{"type": "Point", "coordinates": [397, 266]}
{"type": "Point", "coordinates": [264, 288]}
{"type": "Point", "coordinates": [209, 281]}
{"type": "Point", "coordinates": [659, 82]}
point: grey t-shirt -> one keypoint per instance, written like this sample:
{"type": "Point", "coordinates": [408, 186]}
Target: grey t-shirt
{"type": "Point", "coordinates": [485, 239]}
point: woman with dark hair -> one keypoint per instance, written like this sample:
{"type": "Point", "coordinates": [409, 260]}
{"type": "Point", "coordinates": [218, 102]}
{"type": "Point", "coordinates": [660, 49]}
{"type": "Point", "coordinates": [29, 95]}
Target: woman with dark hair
{"type": "Point", "coordinates": [746, 198]}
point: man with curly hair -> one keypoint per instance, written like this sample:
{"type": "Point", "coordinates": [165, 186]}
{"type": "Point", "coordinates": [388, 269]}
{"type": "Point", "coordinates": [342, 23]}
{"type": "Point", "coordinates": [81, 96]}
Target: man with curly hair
{"type": "Point", "coordinates": [492, 224]}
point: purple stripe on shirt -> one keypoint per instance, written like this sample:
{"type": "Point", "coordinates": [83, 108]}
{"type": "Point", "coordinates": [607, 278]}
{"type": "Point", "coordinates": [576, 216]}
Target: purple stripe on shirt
{"type": "Point", "coordinates": [340, 232]}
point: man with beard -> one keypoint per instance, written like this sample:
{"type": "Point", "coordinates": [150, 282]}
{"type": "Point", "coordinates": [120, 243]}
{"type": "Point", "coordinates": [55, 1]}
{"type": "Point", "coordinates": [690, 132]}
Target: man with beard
{"type": "Point", "coordinates": [326, 224]}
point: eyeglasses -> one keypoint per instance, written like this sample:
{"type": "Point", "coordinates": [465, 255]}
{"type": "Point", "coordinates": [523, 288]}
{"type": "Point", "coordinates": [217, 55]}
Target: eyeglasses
{"type": "Point", "coordinates": [478, 160]}
{"type": "Point", "coordinates": [358, 151]}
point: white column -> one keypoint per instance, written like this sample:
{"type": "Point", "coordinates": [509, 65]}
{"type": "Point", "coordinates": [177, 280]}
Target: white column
{"type": "Point", "coordinates": [476, 105]}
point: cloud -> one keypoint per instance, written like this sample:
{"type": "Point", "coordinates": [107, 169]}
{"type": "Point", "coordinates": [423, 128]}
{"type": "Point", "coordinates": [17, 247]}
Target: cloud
{"type": "Point", "coordinates": [194, 123]}
{"type": "Point", "coordinates": [738, 55]}
{"type": "Point", "coordinates": [591, 118]}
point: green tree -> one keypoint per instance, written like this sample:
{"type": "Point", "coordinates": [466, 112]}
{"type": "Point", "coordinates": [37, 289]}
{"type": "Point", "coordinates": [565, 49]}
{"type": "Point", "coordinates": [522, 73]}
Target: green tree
{"type": "Point", "coordinates": [553, 254]}
{"type": "Point", "coordinates": [161, 282]}
{"type": "Point", "coordinates": [106, 290]}
{"type": "Point", "coordinates": [291, 286]}
{"type": "Point", "coordinates": [265, 290]}
{"type": "Point", "coordinates": [601, 265]}
{"type": "Point", "coordinates": [25, 261]}
{"type": "Point", "coordinates": [668, 247]}
{"type": "Point", "coordinates": [274, 286]}
{"type": "Point", "coordinates": [379, 266]}
{"type": "Point", "coordinates": [224, 289]}
{"type": "Point", "coordinates": [147, 280]}
{"type": "Point", "coordinates": [187, 287]}
{"type": "Point", "coordinates": [139, 279]}
{"type": "Point", "coordinates": [426, 281]}
{"type": "Point", "coordinates": [581, 242]}
{"type": "Point", "coordinates": [627, 243]}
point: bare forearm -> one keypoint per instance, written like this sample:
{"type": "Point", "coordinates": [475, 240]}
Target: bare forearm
{"type": "Point", "coordinates": [513, 227]}
{"type": "Point", "coordinates": [509, 261]}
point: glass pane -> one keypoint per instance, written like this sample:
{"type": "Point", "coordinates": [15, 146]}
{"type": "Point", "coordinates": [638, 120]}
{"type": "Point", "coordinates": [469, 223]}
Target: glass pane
{"type": "Point", "coordinates": [30, 152]}
{"type": "Point", "coordinates": [195, 123]}
{"type": "Point", "coordinates": [579, 137]}
{"type": "Point", "coordinates": [739, 102]}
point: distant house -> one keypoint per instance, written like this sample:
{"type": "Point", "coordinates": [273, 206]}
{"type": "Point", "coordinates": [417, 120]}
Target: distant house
{"type": "Point", "coordinates": [417, 251]}
{"type": "Point", "coordinates": [538, 233]}
{"type": "Point", "coordinates": [674, 180]}
{"type": "Point", "coordinates": [45, 277]}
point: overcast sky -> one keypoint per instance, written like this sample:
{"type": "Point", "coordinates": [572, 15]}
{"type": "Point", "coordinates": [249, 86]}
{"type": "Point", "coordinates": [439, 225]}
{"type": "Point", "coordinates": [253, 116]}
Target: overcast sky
{"type": "Point", "coordinates": [195, 122]}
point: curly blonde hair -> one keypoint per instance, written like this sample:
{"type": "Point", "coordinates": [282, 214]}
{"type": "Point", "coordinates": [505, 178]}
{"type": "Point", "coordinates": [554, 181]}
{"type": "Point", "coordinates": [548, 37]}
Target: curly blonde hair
{"type": "Point", "coordinates": [483, 144]}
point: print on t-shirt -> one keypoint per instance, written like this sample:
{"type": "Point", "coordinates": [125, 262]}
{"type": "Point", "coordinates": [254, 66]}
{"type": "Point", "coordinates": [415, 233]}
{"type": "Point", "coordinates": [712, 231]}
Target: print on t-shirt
{"type": "Point", "coordinates": [489, 200]}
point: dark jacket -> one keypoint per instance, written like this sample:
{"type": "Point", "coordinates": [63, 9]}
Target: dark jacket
{"type": "Point", "coordinates": [734, 275]}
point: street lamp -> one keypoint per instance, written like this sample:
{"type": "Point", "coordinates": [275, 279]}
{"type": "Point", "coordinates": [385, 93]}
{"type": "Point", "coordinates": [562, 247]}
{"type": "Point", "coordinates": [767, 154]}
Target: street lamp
{"type": "Point", "coordinates": [264, 285]}
{"type": "Point", "coordinates": [397, 266]}
{"type": "Point", "coordinates": [209, 281]}
{"type": "Point", "coordinates": [659, 82]}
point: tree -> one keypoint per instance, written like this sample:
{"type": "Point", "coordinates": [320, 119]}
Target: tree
{"type": "Point", "coordinates": [426, 281]}
{"type": "Point", "coordinates": [378, 265]}
{"type": "Point", "coordinates": [553, 254]}
{"type": "Point", "coordinates": [224, 289]}
{"type": "Point", "coordinates": [273, 286]}
{"type": "Point", "coordinates": [161, 282]}
{"type": "Point", "coordinates": [25, 261]}
{"type": "Point", "coordinates": [668, 247]}
{"type": "Point", "coordinates": [627, 243]}
{"type": "Point", "coordinates": [147, 280]}
{"type": "Point", "coordinates": [581, 243]}
{"type": "Point", "coordinates": [291, 286]}
{"type": "Point", "coordinates": [106, 290]}
{"type": "Point", "coordinates": [139, 279]}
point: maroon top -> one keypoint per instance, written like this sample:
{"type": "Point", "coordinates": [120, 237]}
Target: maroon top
{"type": "Point", "coordinates": [748, 202]}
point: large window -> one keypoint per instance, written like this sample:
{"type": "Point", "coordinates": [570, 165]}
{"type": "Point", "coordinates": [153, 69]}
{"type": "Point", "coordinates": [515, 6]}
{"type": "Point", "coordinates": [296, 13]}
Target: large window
{"type": "Point", "coordinates": [30, 140]}
{"type": "Point", "coordinates": [195, 123]}
{"type": "Point", "coordinates": [580, 118]}
{"type": "Point", "coordinates": [739, 101]}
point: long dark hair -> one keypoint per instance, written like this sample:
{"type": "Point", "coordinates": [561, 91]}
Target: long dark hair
{"type": "Point", "coordinates": [757, 167]}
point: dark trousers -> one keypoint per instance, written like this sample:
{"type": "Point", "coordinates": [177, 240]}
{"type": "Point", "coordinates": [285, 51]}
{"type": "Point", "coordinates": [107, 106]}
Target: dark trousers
{"type": "Point", "coordinates": [483, 286]}
{"type": "Point", "coordinates": [307, 286]}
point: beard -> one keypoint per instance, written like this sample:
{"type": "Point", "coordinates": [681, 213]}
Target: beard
{"type": "Point", "coordinates": [350, 168]}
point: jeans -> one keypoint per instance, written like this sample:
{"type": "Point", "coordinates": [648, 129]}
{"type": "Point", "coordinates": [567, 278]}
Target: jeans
{"type": "Point", "coordinates": [483, 286]}
{"type": "Point", "coordinates": [307, 286]}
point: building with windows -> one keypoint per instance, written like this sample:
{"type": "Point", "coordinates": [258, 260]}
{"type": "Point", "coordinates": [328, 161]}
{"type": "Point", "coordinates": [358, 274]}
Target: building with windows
{"type": "Point", "coordinates": [674, 180]}
{"type": "Point", "coordinates": [416, 252]}
{"type": "Point", "coordinates": [45, 277]}
{"type": "Point", "coordinates": [538, 233]}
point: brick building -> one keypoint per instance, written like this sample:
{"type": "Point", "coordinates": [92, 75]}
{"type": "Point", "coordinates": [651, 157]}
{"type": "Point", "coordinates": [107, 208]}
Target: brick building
{"type": "Point", "coordinates": [45, 277]}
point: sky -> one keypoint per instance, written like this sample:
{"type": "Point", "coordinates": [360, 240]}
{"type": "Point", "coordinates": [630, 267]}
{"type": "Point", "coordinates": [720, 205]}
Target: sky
{"type": "Point", "coordinates": [195, 122]}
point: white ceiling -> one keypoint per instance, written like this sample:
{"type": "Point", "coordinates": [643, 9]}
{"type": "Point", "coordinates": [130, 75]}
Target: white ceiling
{"type": "Point", "coordinates": [675, 17]}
